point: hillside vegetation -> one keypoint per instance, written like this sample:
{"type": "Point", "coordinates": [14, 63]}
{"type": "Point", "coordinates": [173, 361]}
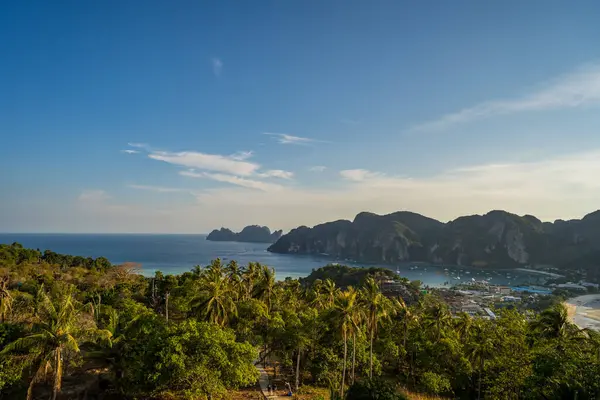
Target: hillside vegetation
{"type": "Point", "coordinates": [70, 330]}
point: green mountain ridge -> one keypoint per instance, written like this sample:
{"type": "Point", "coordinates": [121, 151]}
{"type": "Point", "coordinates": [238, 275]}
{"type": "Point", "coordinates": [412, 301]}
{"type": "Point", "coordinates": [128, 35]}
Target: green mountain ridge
{"type": "Point", "coordinates": [496, 239]}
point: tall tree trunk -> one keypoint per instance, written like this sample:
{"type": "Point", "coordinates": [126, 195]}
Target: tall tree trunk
{"type": "Point", "coordinates": [344, 366]}
{"type": "Point", "coordinates": [371, 356]}
{"type": "Point", "coordinates": [167, 306]}
{"type": "Point", "coordinates": [30, 389]}
{"type": "Point", "coordinates": [353, 356]}
{"type": "Point", "coordinates": [298, 370]}
{"type": "Point", "coordinates": [57, 374]}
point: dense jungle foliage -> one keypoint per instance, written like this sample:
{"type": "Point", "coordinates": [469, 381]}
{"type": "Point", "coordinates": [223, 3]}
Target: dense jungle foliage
{"type": "Point", "coordinates": [72, 325]}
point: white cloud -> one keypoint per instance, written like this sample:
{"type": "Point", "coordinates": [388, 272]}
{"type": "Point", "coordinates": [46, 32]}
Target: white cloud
{"type": "Point", "coordinates": [561, 187]}
{"type": "Point", "coordinates": [234, 180]}
{"type": "Point", "coordinates": [138, 145]}
{"type": "Point", "coordinates": [577, 89]}
{"type": "Point", "coordinates": [276, 173]}
{"type": "Point", "coordinates": [209, 162]}
{"type": "Point", "coordinates": [159, 189]}
{"type": "Point", "coordinates": [93, 195]}
{"type": "Point", "coordinates": [359, 175]}
{"type": "Point", "coordinates": [317, 168]}
{"type": "Point", "coordinates": [217, 66]}
{"type": "Point", "coordinates": [241, 155]}
{"type": "Point", "coordinates": [284, 138]}
{"type": "Point", "coordinates": [129, 151]}
{"type": "Point", "coordinates": [232, 169]}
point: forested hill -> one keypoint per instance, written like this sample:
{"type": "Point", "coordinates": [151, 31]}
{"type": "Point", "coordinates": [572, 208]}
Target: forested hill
{"type": "Point", "coordinates": [497, 238]}
{"type": "Point", "coordinates": [251, 233]}
{"type": "Point", "coordinates": [97, 330]}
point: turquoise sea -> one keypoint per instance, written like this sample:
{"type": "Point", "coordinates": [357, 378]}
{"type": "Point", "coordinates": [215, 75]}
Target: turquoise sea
{"type": "Point", "coordinates": [173, 254]}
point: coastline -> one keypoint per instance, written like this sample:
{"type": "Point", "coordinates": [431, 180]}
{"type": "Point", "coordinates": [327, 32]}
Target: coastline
{"type": "Point", "coordinates": [536, 271]}
{"type": "Point", "coordinates": [584, 311]}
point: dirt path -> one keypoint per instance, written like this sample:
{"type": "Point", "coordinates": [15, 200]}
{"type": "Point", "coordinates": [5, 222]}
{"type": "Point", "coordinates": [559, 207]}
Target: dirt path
{"type": "Point", "coordinates": [263, 380]}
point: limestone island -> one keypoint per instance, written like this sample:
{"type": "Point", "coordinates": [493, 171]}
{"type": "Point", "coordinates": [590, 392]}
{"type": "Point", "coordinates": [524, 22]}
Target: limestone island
{"type": "Point", "coordinates": [251, 233]}
{"type": "Point", "coordinates": [497, 240]}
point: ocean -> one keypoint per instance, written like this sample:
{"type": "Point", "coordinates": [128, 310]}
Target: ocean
{"type": "Point", "coordinates": [174, 254]}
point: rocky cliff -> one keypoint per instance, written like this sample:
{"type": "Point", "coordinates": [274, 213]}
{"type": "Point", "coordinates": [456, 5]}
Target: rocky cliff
{"type": "Point", "coordinates": [251, 233]}
{"type": "Point", "coordinates": [496, 239]}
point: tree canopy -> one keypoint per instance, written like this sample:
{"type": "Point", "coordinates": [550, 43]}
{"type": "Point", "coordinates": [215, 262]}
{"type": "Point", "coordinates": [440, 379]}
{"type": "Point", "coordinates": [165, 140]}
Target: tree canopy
{"type": "Point", "coordinates": [80, 326]}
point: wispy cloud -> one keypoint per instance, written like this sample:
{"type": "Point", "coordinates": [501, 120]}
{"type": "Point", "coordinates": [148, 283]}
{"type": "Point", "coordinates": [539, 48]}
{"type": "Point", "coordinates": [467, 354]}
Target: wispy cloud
{"type": "Point", "coordinates": [209, 162]}
{"type": "Point", "coordinates": [562, 187]}
{"type": "Point", "coordinates": [234, 169]}
{"type": "Point", "coordinates": [241, 155]}
{"type": "Point", "coordinates": [217, 66]}
{"type": "Point", "coordinates": [159, 189]}
{"type": "Point", "coordinates": [317, 168]}
{"type": "Point", "coordinates": [95, 195]}
{"type": "Point", "coordinates": [359, 175]}
{"type": "Point", "coordinates": [553, 187]}
{"type": "Point", "coordinates": [129, 151]}
{"type": "Point", "coordinates": [139, 145]}
{"type": "Point", "coordinates": [348, 121]}
{"type": "Point", "coordinates": [577, 89]}
{"type": "Point", "coordinates": [284, 138]}
{"type": "Point", "coordinates": [234, 180]}
{"type": "Point", "coordinates": [276, 173]}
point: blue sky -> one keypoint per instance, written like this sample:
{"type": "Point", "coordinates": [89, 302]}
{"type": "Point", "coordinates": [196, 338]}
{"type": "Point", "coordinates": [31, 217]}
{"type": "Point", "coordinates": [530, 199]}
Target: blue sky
{"type": "Point", "coordinates": [129, 116]}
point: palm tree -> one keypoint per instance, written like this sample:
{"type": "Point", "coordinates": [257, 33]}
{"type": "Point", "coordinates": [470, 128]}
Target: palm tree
{"type": "Point", "coordinates": [266, 286]}
{"type": "Point", "coordinates": [51, 338]}
{"type": "Point", "coordinates": [357, 320]}
{"type": "Point", "coordinates": [215, 302]}
{"type": "Point", "coordinates": [329, 293]}
{"type": "Point", "coordinates": [344, 314]}
{"type": "Point", "coordinates": [216, 267]}
{"type": "Point", "coordinates": [407, 317]}
{"type": "Point", "coordinates": [437, 318]}
{"type": "Point", "coordinates": [249, 279]}
{"type": "Point", "coordinates": [482, 347]}
{"type": "Point", "coordinates": [554, 323]}
{"type": "Point", "coordinates": [108, 350]}
{"type": "Point", "coordinates": [377, 308]}
{"type": "Point", "coordinates": [234, 274]}
{"type": "Point", "coordinates": [463, 325]}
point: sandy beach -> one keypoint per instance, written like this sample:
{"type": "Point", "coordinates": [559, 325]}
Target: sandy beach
{"type": "Point", "coordinates": [584, 311]}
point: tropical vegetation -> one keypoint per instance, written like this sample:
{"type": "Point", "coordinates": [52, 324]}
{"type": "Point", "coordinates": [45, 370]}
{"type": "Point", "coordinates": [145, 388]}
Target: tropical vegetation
{"type": "Point", "coordinates": [73, 326]}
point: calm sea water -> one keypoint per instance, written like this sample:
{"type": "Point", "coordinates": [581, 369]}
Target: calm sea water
{"type": "Point", "coordinates": [173, 254]}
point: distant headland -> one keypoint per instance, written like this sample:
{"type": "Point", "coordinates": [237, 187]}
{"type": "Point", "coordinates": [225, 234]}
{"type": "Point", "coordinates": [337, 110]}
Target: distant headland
{"type": "Point", "coordinates": [497, 239]}
{"type": "Point", "coordinates": [251, 233]}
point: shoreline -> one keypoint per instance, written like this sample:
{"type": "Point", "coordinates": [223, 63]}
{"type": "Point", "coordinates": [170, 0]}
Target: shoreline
{"type": "Point", "coordinates": [536, 271]}
{"type": "Point", "coordinates": [584, 311]}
